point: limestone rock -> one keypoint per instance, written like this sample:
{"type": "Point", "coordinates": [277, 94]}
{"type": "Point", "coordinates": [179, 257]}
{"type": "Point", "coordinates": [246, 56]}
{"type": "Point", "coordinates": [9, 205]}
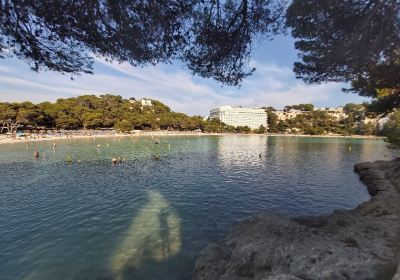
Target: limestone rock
{"type": "Point", "coordinates": [363, 243]}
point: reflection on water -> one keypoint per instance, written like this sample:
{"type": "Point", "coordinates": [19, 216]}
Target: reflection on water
{"type": "Point", "coordinates": [241, 151]}
{"type": "Point", "coordinates": [154, 235]}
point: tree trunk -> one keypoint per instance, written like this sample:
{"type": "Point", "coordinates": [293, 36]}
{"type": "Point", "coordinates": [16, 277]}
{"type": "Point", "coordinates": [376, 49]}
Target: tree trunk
{"type": "Point", "coordinates": [3, 127]}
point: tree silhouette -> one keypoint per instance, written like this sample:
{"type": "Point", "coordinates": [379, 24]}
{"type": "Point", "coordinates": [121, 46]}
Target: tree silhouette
{"type": "Point", "coordinates": [355, 41]}
{"type": "Point", "coordinates": [213, 38]}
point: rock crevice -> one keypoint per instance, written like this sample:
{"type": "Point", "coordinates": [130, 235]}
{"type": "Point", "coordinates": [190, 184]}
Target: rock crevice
{"type": "Point", "coordinates": [362, 243]}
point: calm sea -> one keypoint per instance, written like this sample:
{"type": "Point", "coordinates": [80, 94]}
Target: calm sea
{"type": "Point", "coordinates": [73, 215]}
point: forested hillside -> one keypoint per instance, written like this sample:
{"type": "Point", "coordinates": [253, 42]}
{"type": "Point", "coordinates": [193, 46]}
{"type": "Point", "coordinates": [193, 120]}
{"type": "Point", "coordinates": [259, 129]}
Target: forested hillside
{"type": "Point", "coordinates": [106, 111]}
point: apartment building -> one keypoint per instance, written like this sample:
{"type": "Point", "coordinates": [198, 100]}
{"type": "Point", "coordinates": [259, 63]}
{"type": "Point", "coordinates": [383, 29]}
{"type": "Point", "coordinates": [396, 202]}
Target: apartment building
{"type": "Point", "coordinates": [240, 116]}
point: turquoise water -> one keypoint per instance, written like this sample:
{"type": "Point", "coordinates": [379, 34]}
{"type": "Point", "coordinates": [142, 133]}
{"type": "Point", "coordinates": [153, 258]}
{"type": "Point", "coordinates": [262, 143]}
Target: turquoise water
{"type": "Point", "coordinates": [149, 217]}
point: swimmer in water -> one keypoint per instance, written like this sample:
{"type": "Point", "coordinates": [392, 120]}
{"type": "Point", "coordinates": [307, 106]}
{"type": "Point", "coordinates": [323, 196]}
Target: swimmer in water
{"type": "Point", "coordinates": [36, 154]}
{"type": "Point", "coordinates": [114, 161]}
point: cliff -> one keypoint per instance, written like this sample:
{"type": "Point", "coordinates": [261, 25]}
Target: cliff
{"type": "Point", "coordinates": [362, 243]}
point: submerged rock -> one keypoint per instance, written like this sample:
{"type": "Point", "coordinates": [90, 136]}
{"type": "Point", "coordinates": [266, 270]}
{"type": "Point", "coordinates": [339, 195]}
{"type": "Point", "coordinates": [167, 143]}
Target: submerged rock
{"type": "Point", "coordinates": [362, 243]}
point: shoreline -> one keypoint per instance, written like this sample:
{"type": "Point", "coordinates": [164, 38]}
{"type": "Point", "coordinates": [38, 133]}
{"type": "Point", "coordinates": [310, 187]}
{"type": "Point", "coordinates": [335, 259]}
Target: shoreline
{"type": "Point", "coordinates": [95, 134]}
{"type": "Point", "coordinates": [361, 243]}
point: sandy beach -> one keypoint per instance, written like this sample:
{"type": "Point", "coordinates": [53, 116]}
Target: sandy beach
{"type": "Point", "coordinates": [108, 134]}
{"type": "Point", "coordinates": [95, 134]}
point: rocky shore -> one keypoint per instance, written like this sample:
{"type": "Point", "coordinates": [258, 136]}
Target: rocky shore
{"type": "Point", "coordinates": [362, 243]}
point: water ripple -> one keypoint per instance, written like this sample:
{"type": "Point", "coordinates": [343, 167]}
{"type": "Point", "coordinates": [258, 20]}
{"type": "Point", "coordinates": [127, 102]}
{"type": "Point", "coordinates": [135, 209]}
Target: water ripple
{"type": "Point", "coordinates": [74, 215]}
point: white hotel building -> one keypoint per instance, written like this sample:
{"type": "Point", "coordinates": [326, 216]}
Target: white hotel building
{"type": "Point", "coordinates": [240, 116]}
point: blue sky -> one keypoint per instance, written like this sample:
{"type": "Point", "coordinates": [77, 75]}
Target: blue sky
{"type": "Point", "coordinates": [272, 84]}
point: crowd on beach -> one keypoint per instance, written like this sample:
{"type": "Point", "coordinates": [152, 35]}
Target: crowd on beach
{"type": "Point", "coordinates": [65, 133]}
{"type": "Point", "coordinates": [55, 134]}
{"type": "Point", "coordinates": [68, 134]}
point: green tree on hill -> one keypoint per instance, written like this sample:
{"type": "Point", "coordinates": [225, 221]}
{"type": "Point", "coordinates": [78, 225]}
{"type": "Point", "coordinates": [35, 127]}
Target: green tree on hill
{"type": "Point", "coordinates": [8, 118]}
{"type": "Point", "coordinates": [300, 107]}
{"type": "Point", "coordinates": [367, 129]}
{"type": "Point", "coordinates": [261, 130]}
{"type": "Point", "coordinates": [350, 41]}
{"type": "Point", "coordinates": [123, 126]}
{"type": "Point", "coordinates": [93, 120]}
{"type": "Point", "coordinates": [272, 120]}
{"type": "Point", "coordinates": [392, 129]}
{"type": "Point", "coordinates": [243, 129]}
{"type": "Point", "coordinates": [64, 121]}
{"type": "Point", "coordinates": [353, 123]}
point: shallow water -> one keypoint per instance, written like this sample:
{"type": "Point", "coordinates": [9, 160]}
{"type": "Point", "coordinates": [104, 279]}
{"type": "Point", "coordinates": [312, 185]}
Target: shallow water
{"type": "Point", "coordinates": [149, 217]}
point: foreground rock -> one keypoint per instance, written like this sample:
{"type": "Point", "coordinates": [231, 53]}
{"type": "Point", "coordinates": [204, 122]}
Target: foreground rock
{"type": "Point", "coordinates": [363, 243]}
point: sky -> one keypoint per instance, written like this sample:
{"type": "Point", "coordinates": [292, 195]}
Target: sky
{"type": "Point", "coordinates": [272, 84]}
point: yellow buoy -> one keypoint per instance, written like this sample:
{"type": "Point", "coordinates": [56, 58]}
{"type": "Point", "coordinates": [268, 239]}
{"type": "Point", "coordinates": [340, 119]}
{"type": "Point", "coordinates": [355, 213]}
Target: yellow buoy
{"type": "Point", "coordinates": [68, 159]}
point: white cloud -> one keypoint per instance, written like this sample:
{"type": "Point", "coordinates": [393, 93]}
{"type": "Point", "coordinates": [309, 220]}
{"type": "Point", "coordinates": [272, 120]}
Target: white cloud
{"type": "Point", "coordinates": [272, 68]}
{"type": "Point", "coordinates": [271, 85]}
{"type": "Point", "coordinates": [26, 83]}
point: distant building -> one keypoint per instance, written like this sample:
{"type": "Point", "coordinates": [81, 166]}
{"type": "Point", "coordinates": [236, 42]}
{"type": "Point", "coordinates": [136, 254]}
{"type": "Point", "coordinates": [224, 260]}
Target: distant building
{"type": "Point", "coordinates": [337, 113]}
{"type": "Point", "coordinates": [285, 115]}
{"type": "Point", "coordinates": [240, 116]}
{"type": "Point", "coordinates": [144, 101]}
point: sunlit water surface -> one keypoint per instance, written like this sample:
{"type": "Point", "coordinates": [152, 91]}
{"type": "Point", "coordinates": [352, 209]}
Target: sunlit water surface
{"type": "Point", "coordinates": [73, 215]}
